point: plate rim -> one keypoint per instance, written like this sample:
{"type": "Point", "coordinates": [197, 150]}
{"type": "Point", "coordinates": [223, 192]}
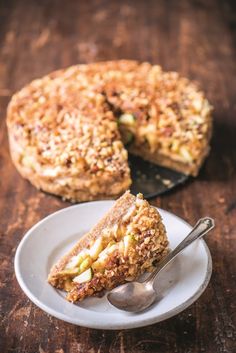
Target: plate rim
{"type": "Point", "coordinates": [103, 326]}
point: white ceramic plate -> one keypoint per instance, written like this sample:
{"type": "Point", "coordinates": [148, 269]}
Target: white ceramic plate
{"type": "Point", "coordinates": [179, 285]}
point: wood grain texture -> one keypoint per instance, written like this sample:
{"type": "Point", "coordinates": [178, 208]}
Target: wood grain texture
{"type": "Point", "coordinates": [196, 38]}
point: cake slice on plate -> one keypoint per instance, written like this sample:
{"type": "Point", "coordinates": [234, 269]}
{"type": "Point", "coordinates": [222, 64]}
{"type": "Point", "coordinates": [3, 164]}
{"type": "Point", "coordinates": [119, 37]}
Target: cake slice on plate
{"type": "Point", "coordinates": [126, 242]}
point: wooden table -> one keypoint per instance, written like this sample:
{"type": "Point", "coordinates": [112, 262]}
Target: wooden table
{"type": "Point", "coordinates": [196, 38]}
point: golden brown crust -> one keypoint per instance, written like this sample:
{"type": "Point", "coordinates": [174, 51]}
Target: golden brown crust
{"type": "Point", "coordinates": [63, 129]}
{"type": "Point", "coordinates": [87, 189]}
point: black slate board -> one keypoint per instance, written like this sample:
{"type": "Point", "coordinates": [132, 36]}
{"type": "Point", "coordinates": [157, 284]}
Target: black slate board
{"type": "Point", "coordinates": [152, 180]}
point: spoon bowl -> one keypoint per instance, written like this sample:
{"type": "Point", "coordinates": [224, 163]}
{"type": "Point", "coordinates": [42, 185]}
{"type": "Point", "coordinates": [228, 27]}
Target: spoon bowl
{"type": "Point", "coordinates": [133, 296]}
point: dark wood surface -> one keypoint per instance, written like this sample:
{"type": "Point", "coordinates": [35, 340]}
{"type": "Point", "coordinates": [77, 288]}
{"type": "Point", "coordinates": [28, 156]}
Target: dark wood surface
{"type": "Point", "coordinates": [196, 38]}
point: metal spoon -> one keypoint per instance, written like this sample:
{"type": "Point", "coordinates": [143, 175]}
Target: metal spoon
{"type": "Point", "coordinates": [136, 296]}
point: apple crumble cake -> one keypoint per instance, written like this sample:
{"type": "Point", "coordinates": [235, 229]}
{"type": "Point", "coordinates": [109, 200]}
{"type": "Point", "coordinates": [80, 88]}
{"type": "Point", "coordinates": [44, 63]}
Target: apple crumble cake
{"type": "Point", "coordinates": [69, 131]}
{"type": "Point", "coordinates": [124, 244]}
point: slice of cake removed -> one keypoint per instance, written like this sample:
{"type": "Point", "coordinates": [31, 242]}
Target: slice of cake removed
{"type": "Point", "coordinates": [126, 242]}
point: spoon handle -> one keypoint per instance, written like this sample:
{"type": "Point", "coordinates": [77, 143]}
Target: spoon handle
{"type": "Point", "coordinates": [201, 228]}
